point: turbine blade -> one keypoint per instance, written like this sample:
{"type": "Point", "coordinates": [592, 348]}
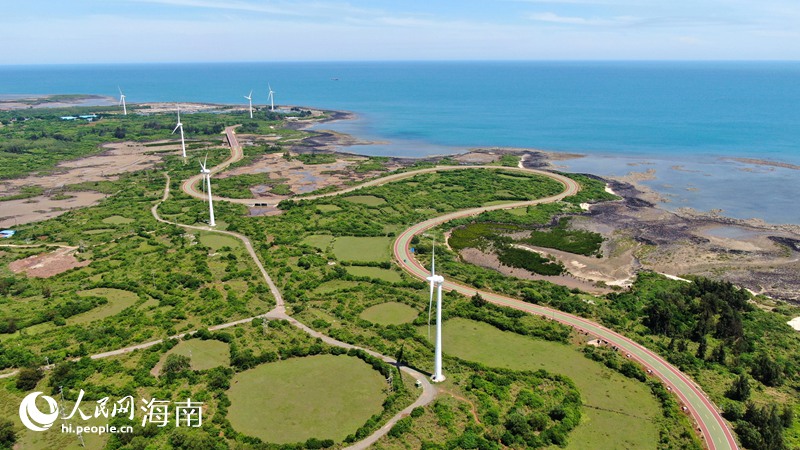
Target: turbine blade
{"type": "Point", "coordinates": [205, 161]}
{"type": "Point", "coordinates": [176, 128]}
{"type": "Point", "coordinates": [433, 259]}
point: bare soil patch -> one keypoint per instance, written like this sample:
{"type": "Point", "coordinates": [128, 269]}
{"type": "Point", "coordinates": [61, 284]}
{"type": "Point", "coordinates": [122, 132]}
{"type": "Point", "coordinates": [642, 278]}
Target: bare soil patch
{"type": "Point", "coordinates": [117, 158]}
{"type": "Point", "coordinates": [46, 265]}
{"type": "Point", "coordinates": [303, 178]}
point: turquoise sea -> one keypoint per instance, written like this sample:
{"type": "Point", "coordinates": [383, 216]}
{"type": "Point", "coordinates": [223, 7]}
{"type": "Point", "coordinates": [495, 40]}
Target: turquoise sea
{"type": "Point", "coordinates": [679, 118]}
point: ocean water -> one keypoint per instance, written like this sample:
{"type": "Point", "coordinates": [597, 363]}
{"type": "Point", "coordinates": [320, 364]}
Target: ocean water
{"type": "Point", "coordinates": [679, 118]}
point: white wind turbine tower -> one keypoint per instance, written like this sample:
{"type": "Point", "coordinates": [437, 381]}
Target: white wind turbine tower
{"type": "Point", "coordinates": [436, 281]}
{"type": "Point", "coordinates": [250, 99]}
{"type": "Point", "coordinates": [271, 98]}
{"type": "Point", "coordinates": [207, 179]}
{"type": "Point", "coordinates": [122, 101]}
{"type": "Point", "coordinates": [180, 125]}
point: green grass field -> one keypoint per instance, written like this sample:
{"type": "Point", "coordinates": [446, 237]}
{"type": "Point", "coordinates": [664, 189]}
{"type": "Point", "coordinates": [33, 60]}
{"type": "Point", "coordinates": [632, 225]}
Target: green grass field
{"type": "Point", "coordinates": [320, 241]}
{"type": "Point", "coordinates": [390, 313]}
{"type": "Point", "coordinates": [203, 354]}
{"type": "Point", "coordinates": [325, 397]}
{"type": "Point", "coordinates": [117, 220]}
{"type": "Point", "coordinates": [328, 208]}
{"type": "Point", "coordinates": [117, 301]}
{"type": "Point", "coordinates": [217, 241]}
{"type": "Point", "coordinates": [334, 285]}
{"type": "Point", "coordinates": [618, 411]}
{"type": "Point", "coordinates": [374, 272]}
{"type": "Point", "coordinates": [370, 249]}
{"type": "Point", "coordinates": [369, 200]}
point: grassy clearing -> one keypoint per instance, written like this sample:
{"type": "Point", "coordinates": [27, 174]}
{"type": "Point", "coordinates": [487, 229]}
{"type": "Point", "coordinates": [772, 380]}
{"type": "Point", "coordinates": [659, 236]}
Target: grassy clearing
{"type": "Point", "coordinates": [217, 241]}
{"type": "Point", "coordinates": [203, 354]}
{"type": "Point", "coordinates": [328, 208]}
{"type": "Point", "coordinates": [118, 300]}
{"type": "Point", "coordinates": [368, 249]}
{"type": "Point", "coordinates": [334, 285]}
{"type": "Point", "coordinates": [117, 220]}
{"type": "Point", "coordinates": [320, 241]}
{"type": "Point", "coordinates": [391, 313]}
{"type": "Point", "coordinates": [618, 412]}
{"type": "Point", "coordinates": [374, 272]}
{"type": "Point", "coordinates": [369, 200]}
{"type": "Point", "coordinates": [325, 397]}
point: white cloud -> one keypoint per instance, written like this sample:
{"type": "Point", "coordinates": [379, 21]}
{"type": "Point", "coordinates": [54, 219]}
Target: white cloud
{"type": "Point", "coordinates": [554, 18]}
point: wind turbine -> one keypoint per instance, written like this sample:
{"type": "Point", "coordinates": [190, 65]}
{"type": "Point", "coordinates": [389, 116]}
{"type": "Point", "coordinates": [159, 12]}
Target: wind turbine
{"type": "Point", "coordinates": [436, 281]}
{"type": "Point", "coordinates": [180, 125]}
{"type": "Point", "coordinates": [122, 101]}
{"type": "Point", "coordinates": [271, 98]}
{"type": "Point", "coordinates": [207, 179]}
{"type": "Point", "coordinates": [250, 99]}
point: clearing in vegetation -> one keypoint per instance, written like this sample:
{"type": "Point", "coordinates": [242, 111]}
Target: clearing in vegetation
{"type": "Point", "coordinates": [117, 220]}
{"type": "Point", "coordinates": [618, 411]}
{"type": "Point", "coordinates": [320, 241]}
{"type": "Point", "coordinates": [369, 200]}
{"type": "Point", "coordinates": [118, 300]}
{"type": "Point", "coordinates": [323, 397]}
{"type": "Point", "coordinates": [375, 272]}
{"type": "Point", "coordinates": [202, 354]}
{"type": "Point", "coordinates": [366, 249]}
{"type": "Point", "coordinates": [217, 241]}
{"type": "Point", "coordinates": [391, 313]}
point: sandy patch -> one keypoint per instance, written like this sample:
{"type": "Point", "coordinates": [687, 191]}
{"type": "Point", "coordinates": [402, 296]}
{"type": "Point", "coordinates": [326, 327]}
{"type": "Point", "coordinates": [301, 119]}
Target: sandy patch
{"type": "Point", "coordinates": [490, 261]}
{"type": "Point", "coordinates": [302, 178]}
{"type": "Point", "coordinates": [36, 209]}
{"type": "Point", "coordinates": [46, 265]}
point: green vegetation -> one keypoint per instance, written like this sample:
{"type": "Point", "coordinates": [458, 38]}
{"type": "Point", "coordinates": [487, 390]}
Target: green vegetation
{"type": "Point", "coordinates": [117, 220]}
{"type": "Point", "coordinates": [618, 411]}
{"type": "Point", "coordinates": [117, 301]}
{"type": "Point", "coordinates": [373, 164]}
{"type": "Point", "coordinates": [316, 158]}
{"type": "Point", "coordinates": [368, 200]}
{"type": "Point", "coordinates": [374, 272]}
{"type": "Point", "coordinates": [391, 313]}
{"type": "Point", "coordinates": [321, 396]}
{"type": "Point", "coordinates": [367, 249]}
{"type": "Point", "coordinates": [203, 354]}
{"type": "Point", "coordinates": [508, 160]}
{"type": "Point", "coordinates": [320, 241]}
{"type": "Point", "coordinates": [238, 186]}
{"type": "Point", "coordinates": [560, 237]}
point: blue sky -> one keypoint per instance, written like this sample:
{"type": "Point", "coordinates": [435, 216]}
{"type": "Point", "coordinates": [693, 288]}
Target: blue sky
{"type": "Point", "coordinates": [114, 31]}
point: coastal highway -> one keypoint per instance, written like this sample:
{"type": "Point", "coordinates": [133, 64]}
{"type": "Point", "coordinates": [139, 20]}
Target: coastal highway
{"type": "Point", "coordinates": [713, 428]}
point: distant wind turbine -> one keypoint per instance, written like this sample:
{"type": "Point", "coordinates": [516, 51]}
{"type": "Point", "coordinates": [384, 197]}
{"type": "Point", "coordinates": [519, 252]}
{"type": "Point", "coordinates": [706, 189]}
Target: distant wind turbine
{"type": "Point", "coordinates": [436, 281]}
{"type": "Point", "coordinates": [271, 98]}
{"type": "Point", "coordinates": [250, 99]}
{"type": "Point", "coordinates": [207, 179]}
{"type": "Point", "coordinates": [122, 101]}
{"type": "Point", "coordinates": [180, 126]}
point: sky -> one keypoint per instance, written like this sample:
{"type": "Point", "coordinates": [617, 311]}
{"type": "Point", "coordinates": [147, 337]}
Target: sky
{"type": "Point", "coordinates": [135, 31]}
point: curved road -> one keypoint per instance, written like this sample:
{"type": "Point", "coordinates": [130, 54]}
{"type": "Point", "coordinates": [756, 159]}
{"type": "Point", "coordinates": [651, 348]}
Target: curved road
{"type": "Point", "coordinates": [714, 429]}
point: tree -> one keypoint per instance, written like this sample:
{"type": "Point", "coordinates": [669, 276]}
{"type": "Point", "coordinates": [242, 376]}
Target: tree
{"type": "Point", "coordinates": [740, 389]}
{"type": "Point", "coordinates": [478, 301]}
{"type": "Point", "coordinates": [702, 348]}
{"type": "Point", "coordinates": [767, 370]}
{"type": "Point", "coordinates": [28, 378]}
{"type": "Point", "coordinates": [176, 364]}
{"type": "Point", "coordinates": [8, 436]}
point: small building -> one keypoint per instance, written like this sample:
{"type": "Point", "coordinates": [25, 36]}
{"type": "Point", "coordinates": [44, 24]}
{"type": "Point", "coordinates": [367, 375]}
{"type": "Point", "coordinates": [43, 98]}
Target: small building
{"type": "Point", "coordinates": [5, 234]}
{"type": "Point", "coordinates": [68, 117]}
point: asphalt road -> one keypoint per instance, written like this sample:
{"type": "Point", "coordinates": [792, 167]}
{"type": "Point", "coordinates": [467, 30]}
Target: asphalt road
{"type": "Point", "coordinates": [713, 428]}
